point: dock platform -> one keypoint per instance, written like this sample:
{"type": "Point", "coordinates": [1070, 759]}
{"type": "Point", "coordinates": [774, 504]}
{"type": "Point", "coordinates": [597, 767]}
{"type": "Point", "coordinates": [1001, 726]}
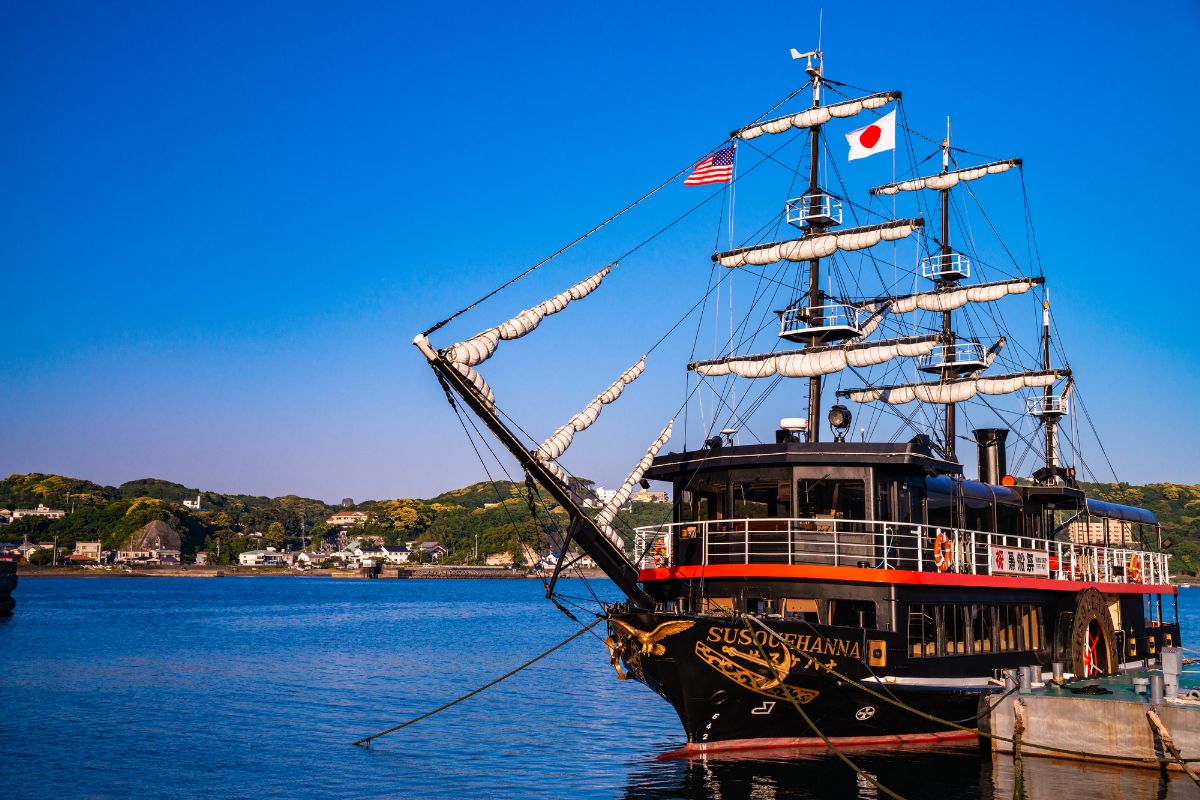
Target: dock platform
{"type": "Point", "coordinates": [1112, 719]}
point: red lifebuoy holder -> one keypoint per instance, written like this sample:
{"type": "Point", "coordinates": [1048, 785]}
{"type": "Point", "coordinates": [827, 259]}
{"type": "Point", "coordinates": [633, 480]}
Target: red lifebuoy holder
{"type": "Point", "coordinates": [1134, 573]}
{"type": "Point", "coordinates": [943, 552]}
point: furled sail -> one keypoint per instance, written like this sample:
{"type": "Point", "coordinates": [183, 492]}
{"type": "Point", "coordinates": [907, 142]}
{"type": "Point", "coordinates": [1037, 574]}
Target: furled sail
{"type": "Point", "coordinates": [951, 298]}
{"type": "Point", "coordinates": [480, 347]}
{"type": "Point", "coordinates": [557, 444]}
{"type": "Point", "coordinates": [948, 179]}
{"type": "Point", "coordinates": [609, 512]}
{"type": "Point", "coordinates": [812, 117]}
{"type": "Point", "coordinates": [814, 361]}
{"type": "Point", "coordinates": [481, 386]}
{"type": "Point", "coordinates": [820, 245]}
{"type": "Point", "coordinates": [956, 390]}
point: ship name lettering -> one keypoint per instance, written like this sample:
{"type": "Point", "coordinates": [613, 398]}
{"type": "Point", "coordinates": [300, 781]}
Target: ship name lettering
{"type": "Point", "coordinates": [801, 641]}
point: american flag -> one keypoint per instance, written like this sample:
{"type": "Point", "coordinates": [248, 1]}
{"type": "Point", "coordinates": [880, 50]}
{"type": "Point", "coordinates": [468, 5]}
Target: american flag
{"type": "Point", "coordinates": [717, 168]}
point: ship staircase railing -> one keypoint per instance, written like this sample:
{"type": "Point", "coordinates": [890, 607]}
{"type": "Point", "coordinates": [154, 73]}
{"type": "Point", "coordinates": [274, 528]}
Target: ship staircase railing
{"type": "Point", "coordinates": [871, 544]}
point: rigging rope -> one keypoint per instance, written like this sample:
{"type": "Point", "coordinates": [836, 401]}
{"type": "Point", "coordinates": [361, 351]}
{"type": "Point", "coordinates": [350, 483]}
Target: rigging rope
{"type": "Point", "coordinates": [366, 742]}
{"type": "Point", "coordinates": [690, 165]}
{"type": "Point", "coordinates": [812, 663]}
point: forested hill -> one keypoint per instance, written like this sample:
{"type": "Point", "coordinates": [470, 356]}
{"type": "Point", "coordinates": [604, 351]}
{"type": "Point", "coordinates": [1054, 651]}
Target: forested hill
{"type": "Point", "coordinates": [1177, 507]}
{"type": "Point", "coordinates": [498, 514]}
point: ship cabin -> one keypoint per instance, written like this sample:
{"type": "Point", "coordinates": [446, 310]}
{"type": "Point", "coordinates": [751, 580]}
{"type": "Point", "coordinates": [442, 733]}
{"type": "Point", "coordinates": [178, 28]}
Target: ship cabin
{"type": "Point", "coordinates": [891, 541]}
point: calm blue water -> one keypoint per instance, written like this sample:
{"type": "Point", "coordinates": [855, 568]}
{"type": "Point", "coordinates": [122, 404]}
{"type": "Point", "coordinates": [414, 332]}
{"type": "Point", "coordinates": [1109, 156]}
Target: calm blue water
{"type": "Point", "coordinates": [255, 687]}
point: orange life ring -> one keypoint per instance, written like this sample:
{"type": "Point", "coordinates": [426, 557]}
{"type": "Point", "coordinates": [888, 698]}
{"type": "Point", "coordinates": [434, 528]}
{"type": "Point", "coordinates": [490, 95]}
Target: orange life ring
{"type": "Point", "coordinates": [1134, 573]}
{"type": "Point", "coordinates": [660, 555]}
{"type": "Point", "coordinates": [943, 552]}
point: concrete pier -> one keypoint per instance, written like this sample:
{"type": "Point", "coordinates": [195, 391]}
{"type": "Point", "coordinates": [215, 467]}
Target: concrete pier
{"type": "Point", "coordinates": [1111, 727]}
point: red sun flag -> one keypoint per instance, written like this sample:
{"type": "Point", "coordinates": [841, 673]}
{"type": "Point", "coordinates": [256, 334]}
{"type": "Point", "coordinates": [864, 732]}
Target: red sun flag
{"type": "Point", "coordinates": [874, 138]}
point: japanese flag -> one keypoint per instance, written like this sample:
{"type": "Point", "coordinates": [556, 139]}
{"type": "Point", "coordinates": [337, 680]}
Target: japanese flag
{"type": "Point", "coordinates": [874, 138]}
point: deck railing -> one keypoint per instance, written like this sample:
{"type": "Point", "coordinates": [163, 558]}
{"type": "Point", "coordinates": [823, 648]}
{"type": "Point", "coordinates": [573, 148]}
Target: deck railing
{"type": "Point", "coordinates": [891, 545]}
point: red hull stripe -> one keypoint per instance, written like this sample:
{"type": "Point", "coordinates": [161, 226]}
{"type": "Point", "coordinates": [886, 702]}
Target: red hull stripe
{"type": "Point", "coordinates": [692, 750]}
{"type": "Point", "coordinates": [860, 575]}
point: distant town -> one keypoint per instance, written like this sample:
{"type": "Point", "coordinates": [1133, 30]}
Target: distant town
{"type": "Point", "coordinates": [210, 530]}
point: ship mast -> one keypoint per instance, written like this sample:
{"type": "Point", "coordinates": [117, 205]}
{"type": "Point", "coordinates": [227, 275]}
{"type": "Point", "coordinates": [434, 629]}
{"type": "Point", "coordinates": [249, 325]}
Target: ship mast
{"type": "Point", "coordinates": [945, 278]}
{"type": "Point", "coordinates": [815, 312]}
{"type": "Point", "coordinates": [1051, 420]}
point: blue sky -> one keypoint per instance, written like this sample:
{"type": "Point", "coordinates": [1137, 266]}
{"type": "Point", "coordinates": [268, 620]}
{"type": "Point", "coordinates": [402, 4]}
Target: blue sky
{"type": "Point", "coordinates": [222, 224]}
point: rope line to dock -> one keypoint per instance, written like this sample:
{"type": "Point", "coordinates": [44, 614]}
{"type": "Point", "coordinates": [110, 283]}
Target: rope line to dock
{"type": "Point", "coordinates": [813, 663]}
{"type": "Point", "coordinates": [366, 742]}
{"type": "Point", "coordinates": [787, 690]}
{"type": "Point", "coordinates": [1168, 743]}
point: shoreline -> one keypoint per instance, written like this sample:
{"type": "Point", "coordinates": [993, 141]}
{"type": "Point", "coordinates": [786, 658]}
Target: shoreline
{"type": "Point", "coordinates": [390, 573]}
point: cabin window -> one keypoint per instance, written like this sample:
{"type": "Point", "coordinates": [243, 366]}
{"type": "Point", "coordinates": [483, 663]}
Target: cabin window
{"type": "Point", "coordinates": [953, 626]}
{"type": "Point", "coordinates": [772, 499]}
{"type": "Point", "coordinates": [922, 630]}
{"type": "Point", "coordinates": [800, 608]}
{"type": "Point", "coordinates": [686, 503]}
{"type": "Point", "coordinates": [940, 501]}
{"type": "Point", "coordinates": [852, 613]}
{"type": "Point", "coordinates": [709, 499]}
{"type": "Point", "coordinates": [1031, 627]}
{"type": "Point", "coordinates": [822, 498]}
{"type": "Point", "coordinates": [721, 606]}
{"type": "Point", "coordinates": [983, 628]}
{"type": "Point", "coordinates": [977, 507]}
{"type": "Point", "coordinates": [1009, 625]}
{"type": "Point", "coordinates": [1008, 519]}
{"type": "Point", "coordinates": [956, 629]}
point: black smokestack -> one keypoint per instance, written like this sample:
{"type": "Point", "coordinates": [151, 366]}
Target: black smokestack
{"type": "Point", "coordinates": [993, 456]}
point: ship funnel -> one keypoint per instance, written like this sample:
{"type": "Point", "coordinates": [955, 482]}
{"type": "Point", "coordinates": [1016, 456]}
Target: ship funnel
{"type": "Point", "coordinates": [993, 455]}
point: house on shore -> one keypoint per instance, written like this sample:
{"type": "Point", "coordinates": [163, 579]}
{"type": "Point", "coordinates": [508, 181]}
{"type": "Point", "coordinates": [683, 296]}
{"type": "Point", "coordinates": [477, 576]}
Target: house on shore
{"type": "Point", "coordinates": [154, 543]}
{"type": "Point", "coordinates": [348, 519]}
{"type": "Point", "coordinates": [87, 553]}
{"type": "Point", "coordinates": [41, 511]}
{"type": "Point", "coordinates": [431, 551]}
{"type": "Point", "coordinates": [266, 558]}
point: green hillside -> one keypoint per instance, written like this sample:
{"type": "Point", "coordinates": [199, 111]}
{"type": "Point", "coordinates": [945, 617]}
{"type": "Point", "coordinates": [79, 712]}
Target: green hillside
{"type": "Point", "coordinates": [497, 517]}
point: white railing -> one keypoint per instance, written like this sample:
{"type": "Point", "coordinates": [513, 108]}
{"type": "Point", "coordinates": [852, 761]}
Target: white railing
{"type": "Point", "coordinates": [962, 353]}
{"type": "Point", "coordinates": [891, 545]}
{"type": "Point", "coordinates": [1042, 406]}
{"type": "Point", "coordinates": [801, 319]}
{"type": "Point", "coordinates": [823, 209]}
{"type": "Point", "coordinates": [953, 265]}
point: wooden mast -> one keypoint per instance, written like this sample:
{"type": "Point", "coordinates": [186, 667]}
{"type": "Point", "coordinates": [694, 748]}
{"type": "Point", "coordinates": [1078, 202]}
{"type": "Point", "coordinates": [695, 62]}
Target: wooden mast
{"type": "Point", "coordinates": [947, 324]}
{"type": "Point", "coordinates": [815, 313]}
{"type": "Point", "coordinates": [1050, 420]}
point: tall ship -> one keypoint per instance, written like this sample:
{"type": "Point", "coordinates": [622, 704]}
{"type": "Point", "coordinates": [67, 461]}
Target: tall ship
{"type": "Point", "coordinates": [841, 585]}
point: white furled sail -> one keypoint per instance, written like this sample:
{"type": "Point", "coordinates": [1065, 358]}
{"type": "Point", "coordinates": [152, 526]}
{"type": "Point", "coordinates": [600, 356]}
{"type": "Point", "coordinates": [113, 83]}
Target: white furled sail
{"type": "Point", "coordinates": [956, 390]}
{"type": "Point", "coordinates": [814, 361]}
{"type": "Point", "coordinates": [481, 386]}
{"type": "Point", "coordinates": [812, 117]}
{"type": "Point", "coordinates": [557, 444]}
{"type": "Point", "coordinates": [989, 357]}
{"type": "Point", "coordinates": [955, 297]}
{"type": "Point", "coordinates": [819, 246]}
{"type": "Point", "coordinates": [609, 512]}
{"type": "Point", "coordinates": [480, 347]}
{"type": "Point", "coordinates": [947, 180]}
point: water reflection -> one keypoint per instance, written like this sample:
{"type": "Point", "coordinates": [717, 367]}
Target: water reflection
{"type": "Point", "coordinates": [946, 774]}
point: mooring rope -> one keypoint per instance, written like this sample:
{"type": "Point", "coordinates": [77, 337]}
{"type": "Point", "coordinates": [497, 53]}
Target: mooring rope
{"type": "Point", "coordinates": [813, 663]}
{"type": "Point", "coordinates": [845, 759]}
{"type": "Point", "coordinates": [366, 743]}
